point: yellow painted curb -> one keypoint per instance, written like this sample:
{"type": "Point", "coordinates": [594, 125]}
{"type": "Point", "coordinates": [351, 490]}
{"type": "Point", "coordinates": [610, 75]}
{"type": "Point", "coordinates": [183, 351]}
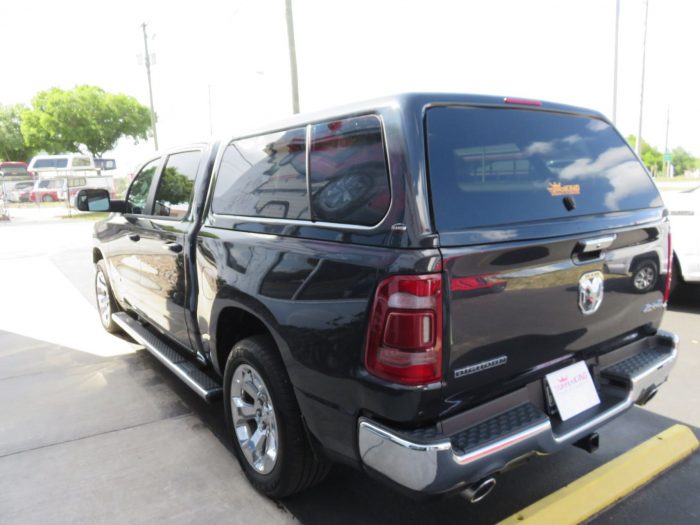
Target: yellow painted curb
{"type": "Point", "coordinates": [597, 490]}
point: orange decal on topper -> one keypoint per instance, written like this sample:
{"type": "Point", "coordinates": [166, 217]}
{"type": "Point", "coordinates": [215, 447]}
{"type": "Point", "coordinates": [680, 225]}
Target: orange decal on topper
{"type": "Point", "coordinates": [556, 189]}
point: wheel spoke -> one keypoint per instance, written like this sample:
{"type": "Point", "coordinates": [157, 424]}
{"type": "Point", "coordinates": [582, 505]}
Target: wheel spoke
{"type": "Point", "coordinates": [250, 388]}
{"type": "Point", "coordinates": [245, 410]}
{"type": "Point", "coordinates": [258, 441]}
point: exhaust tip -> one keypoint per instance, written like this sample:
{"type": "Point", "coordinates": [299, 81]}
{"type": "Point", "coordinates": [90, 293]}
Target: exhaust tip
{"type": "Point", "coordinates": [647, 397]}
{"type": "Point", "coordinates": [479, 490]}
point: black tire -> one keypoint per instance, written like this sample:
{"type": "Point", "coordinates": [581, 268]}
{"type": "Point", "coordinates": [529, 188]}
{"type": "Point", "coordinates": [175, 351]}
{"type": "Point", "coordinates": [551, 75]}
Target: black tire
{"type": "Point", "coordinates": [298, 465]}
{"type": "Point", "coordinates": [676, 276]}
{"type": "Point", "coordinates": [107, 321]}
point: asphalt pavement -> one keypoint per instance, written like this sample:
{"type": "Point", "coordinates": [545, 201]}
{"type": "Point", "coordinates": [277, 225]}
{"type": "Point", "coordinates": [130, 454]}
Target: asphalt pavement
{"type": "Point", "coordinates": [95, 430]}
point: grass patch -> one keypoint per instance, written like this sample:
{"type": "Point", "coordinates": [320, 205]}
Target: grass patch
{"type": "Point", "coordinates": [56, 204]}
{"type": "Point", "coordinates": [87, 216]}
{"type": "Point", "coordinates": [677, 179]}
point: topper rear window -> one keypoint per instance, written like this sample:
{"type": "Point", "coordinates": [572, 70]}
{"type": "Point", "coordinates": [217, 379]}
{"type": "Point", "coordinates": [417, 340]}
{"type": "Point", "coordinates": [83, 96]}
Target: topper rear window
{"type": "Point", "coordinates": [491, 166]}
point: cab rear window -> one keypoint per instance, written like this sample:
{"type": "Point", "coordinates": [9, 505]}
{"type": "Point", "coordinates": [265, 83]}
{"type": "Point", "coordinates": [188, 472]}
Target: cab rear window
{"type": "Point", "coordinates": [493, 167]}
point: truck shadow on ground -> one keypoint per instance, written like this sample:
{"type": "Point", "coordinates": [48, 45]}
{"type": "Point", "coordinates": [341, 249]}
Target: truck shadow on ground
{"type": "Point", "coordinates": [349, 496]}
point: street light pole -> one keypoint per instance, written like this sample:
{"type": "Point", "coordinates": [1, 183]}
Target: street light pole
{"type": "Point", "coordinates": [150, 88]}
{"type": "Point", "coordinates": [667, 164]}
{"type": "Point", "coordinates": [617, 38]}
{"type": "Point", "coordinates": [292, 56]}
{"type": "Point", "coordinates": [638, 145]}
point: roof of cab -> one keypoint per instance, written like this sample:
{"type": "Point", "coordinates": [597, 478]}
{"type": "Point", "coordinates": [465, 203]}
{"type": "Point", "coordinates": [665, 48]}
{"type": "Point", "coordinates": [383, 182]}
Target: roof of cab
{"type": "Point", "coordinates": [415, 102]}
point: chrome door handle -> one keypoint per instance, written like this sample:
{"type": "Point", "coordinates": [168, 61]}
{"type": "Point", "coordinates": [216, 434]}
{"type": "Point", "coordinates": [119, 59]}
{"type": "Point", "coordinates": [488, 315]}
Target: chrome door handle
{"type": "Point", "coordinates": [596, 244]}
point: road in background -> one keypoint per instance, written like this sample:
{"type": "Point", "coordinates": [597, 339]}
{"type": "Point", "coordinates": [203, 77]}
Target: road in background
{"type": "Point", "coordinates": [96, 431]}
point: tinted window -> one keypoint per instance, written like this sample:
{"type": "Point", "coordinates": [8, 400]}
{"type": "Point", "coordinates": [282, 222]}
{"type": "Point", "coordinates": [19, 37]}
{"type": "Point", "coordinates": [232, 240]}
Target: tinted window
{"type": "Point", "coordinates": [348, 172]}
{"type": "Point", "coordinates": [264, 176]}
{"type": "Point", "coordinates": [51, 163]}
{"type": "Point", "coordinates": [106, 164]}
{"type": "Point", "coordinates": [80, 162]}
{"type": "Point", "coordinates": [174, 193]}
{"type": "Point", "coordinates": [50, 184]}
{"type": "Point", "coordinates": [13, 170]}
{"type": "Point", "coordinates": [138, 192]}
{"type": "Point", "coordinates": [503, 166]}
{"type": "Point", "coordinates": [75, 182]}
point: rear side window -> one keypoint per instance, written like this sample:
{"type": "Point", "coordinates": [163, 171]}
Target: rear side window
{"type": "Point", "coordinates": [348, 174]}
{"type": "Point", "coordinates": [503, 166]}
{"type": "Point", "coordinates": [81, 162]}
{"type": "Point", "coordinates": [174, 193]}
{"type": "Point", "coordinates": [264, 176]}
{"type": "Point", "coordinates": [51, 163]}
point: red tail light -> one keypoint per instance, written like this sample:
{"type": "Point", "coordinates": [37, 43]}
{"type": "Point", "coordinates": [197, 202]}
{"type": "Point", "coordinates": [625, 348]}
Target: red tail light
{"type": "Point", "coordinates": [404, 338]}
{"type": "Point", "coordinates": [669, 270]}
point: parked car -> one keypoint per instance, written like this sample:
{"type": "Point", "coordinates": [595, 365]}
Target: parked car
{"type": "Point", "coordinates": [47, 190]}
{"type": "Point", "coordinates": [13, 169]}
{"type": "Point", "coordinates": [21, 191]}
{"type": "Point", "coordinates": [68, 165]}
{"type": "Point", "coordinates": [415, 286]}
{"type": "Point", "coordinates": [684, 207]}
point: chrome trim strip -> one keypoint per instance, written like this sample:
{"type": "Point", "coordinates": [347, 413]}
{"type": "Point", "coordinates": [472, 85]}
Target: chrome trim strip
{"type": "Point", "coordinates": [503, 443]}
{"type": "Point", "coordinates": [423, 447]}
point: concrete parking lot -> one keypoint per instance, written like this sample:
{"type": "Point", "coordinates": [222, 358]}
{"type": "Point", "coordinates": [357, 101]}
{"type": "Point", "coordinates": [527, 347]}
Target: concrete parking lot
{"type": "Point", "coordinates": [94, 430]}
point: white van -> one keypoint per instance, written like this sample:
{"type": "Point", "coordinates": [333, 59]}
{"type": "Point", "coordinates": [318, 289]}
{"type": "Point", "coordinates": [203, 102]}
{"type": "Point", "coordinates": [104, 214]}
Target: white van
{"type": "Point", "coordinates": [73, 185]}
{"type": "Point", "coordinates": [71, 164]}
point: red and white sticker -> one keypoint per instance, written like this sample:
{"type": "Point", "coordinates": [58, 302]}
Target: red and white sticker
{"type": "Point", "coordinates": [573, 390]}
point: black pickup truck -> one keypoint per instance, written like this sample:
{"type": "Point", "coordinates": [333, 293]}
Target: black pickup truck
{"type": "Point", "coordinates": [431, 288]}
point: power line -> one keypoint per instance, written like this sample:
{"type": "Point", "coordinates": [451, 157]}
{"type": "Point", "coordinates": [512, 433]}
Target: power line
{"type": "Point", "coordinates": [638, 145]}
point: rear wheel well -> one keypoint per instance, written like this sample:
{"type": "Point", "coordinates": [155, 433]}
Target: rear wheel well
{"type": "Point", "coordinates": [235, 324]}
{"type": "Point", "coordinates": [96, 255]}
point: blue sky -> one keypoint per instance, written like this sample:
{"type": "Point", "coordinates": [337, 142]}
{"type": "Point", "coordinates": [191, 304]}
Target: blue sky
{"type": "Point", "coordinates": [236, 50]}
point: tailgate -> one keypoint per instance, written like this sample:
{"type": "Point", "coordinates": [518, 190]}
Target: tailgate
{"type": "Point", "coordinates": [517, 310]}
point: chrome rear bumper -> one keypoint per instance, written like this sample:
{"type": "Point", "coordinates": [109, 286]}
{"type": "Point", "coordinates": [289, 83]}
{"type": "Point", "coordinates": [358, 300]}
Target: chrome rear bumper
{"type": "Point", "coordinates": [433, 463]}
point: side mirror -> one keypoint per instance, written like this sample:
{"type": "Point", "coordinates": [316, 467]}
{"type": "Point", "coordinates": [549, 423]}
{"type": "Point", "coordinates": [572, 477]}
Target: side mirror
{"type": "Point", "coordinates": [93, 199]}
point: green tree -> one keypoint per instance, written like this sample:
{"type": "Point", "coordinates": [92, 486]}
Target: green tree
{"type": "Point", "coordinates": [85, 119]}
{"type": "Point", "coordinates": [12, 146]}
{"type": "Point", "coordinates": [652, 158]}
{"type": "Point", "coordinates": [682, 161]}
{"type": "Point", "coordinates": [174, 187]}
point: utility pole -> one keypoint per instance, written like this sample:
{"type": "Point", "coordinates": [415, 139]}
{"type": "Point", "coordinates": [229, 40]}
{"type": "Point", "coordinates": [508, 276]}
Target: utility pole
{"type": "Point", "coordinates": [617, 38]}
{"type": "Point", "coordinates": [667, 164]}
{"type": "Point", "coordinates": [211, 126]}
{"type": "Point", "coordinates": [147, 59]}
{"type": "Point", "coordinates": [638, 146]}
{"type": "Point", "coordinates": [292, 56]}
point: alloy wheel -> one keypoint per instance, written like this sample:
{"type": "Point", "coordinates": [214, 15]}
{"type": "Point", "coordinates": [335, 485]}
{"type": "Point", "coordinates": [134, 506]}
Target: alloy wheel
{"type": "Point", "coordinates": [103, 300]}
{"type": "Point", "coordinates": [254, 419]}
